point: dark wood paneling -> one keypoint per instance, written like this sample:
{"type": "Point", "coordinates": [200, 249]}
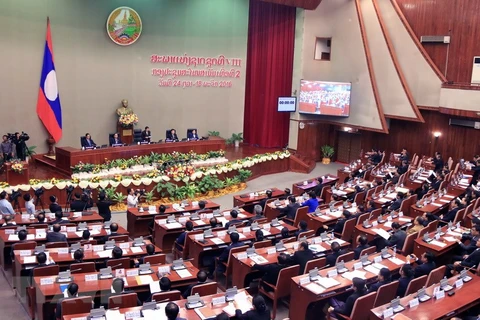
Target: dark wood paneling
{"type": "Point", "coordinates": [461, 113]}
{"type": "Point", "coordinates": [458, 18]}
{"type": "Point", "coordinates": [305, 4]}
{"type": "Point", "coordinates": [312, 137]}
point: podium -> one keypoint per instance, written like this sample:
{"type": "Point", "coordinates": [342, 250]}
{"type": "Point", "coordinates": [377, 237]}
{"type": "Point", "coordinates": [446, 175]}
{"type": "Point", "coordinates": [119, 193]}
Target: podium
{"type": "Point", "coordinates": [125, 133]}
{"type": "Point", "coordinates": [14, 178]}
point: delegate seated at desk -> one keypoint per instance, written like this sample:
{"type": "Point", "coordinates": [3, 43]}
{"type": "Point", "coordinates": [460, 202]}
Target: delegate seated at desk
{"type": "Point", "coordinates": [146, 134]}
{"type": "Point", "coordinates": [172, 135]}
{"type": "Point", "coordinates": [87, 141]}
{"type": "Point", "coordinates": [192, 135]}
{"type": "Point", "coordinates": [115, 140]}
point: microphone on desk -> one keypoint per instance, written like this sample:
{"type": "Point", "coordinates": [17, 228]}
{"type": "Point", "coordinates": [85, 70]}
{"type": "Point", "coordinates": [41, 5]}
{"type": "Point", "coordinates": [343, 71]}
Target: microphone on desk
{"type": "Point", "coordinates": [75, 270]}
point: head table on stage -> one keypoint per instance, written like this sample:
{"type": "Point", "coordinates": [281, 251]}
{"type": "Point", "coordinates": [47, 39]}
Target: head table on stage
{"type": "Point", "coordinates": [67, 157]}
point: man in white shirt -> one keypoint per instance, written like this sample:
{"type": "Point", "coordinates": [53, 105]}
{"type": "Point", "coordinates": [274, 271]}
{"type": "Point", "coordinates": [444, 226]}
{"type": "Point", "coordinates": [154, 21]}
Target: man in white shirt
{"type": "Point", "coordinates": [29, 206]}
{"type": "Point", "coordinates": [5, 205]}
{"type": "Point", "coordinates": [132, 198]}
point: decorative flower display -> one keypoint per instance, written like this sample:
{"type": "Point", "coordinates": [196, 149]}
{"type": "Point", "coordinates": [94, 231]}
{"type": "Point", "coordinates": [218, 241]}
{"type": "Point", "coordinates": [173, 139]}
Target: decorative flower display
{"type": "Point", "coordinates": [17, 167]}
{"type": "Point", "coordinates": [128, 120]}
{"type": "Point", "coordinates": [136, 177]}
{"type": "Point", "coordinates": [95, 179]}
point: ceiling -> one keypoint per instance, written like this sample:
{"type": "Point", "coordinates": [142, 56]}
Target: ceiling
{"type": "Point", "coordinates": [305, 4]}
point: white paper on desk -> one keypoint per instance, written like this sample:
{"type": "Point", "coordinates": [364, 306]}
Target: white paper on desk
{"type": "Point", "coordinates": [79, 234]}
{"type": "Point", "coordinates": [155, 286]}
{"type": "Point", "coordinates": [336, 214]}
{"type": "Point", "coordinates": [200, 222]}
{"type": "Point", "coordinates": [372, 269]}
{"type": "Point", "coordinates": [436, 204]}
{"type": "Point", "coordinates": [183, 273]}
{"type": "Point", "coordinates": [258, 259]}
{"type": "Point", "coordinates": [13, 237]}
{"type": "Point", "coordinates": [94, 232]}
{"type": "Point", "coordinates": [30, 236]}
{"type": "Point", "coordinates": [242, 302]}
{"type": "Point", "coordinates": [378, 266]}
{"type": "Point", "coordinates": [157, 314]}
{"type": "Point", "coordinates": [388, 224]}
{"type": "Point", "coordinates": [438, 243]}
{"type": "Point", "coordinates": [327, 282]}
{"type": "Point", "coordinates": [449, 196]}
{"type": "Point", "coordinates": [317, 248]}
{"type": "Point", "coordinates": [404, 219]}
{"type": "Point", "coordinates": [79, 318]}
{"type": "Point", "coordinates": [383, 200]}
{"type": "Point", "coordinates": [453, 233]}
{"type": "Point", "coordinates": [146, 279]}
{"type": "Point", "coordinates": [105, 254]}
{"type": "Point", "coordinates": [242, 236]}
{"type": "Point", "coordinates": [114, 315]}
{"type": "Point", "coordinates": [315, 288]}
{"type": "Point", "coordinates": [382, 233]}
{"type": "Point", "coordinates": [30, 259]}
{"type": "Point", "coordinates": [354, 274]}
{"type": "Point", "coordinates": [173, 225]}
{"type": "Point", "coordinates": [217, 241]}
{"type": "Point", "coordinates": [242, 216]}
{"type": "Point", "coordinates": [450, 239]}
{"type": "Point", "coordinates": [444, 200]}
{"type": "Point", "coordinates": [397, 261]}
{"type": "Point", "coordinates": [266, 233]}
{"type": "Point", "coordinates": [136, 249]}
{"type": "Point", "coordinates": [391, 195]}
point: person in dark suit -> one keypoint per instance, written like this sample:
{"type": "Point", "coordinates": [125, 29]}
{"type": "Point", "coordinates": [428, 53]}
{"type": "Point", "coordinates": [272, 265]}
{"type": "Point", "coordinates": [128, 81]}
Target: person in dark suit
{"type": "Point", "coordinates": [81, 202]}
{"type": "Point", "coordinates": [40, 219]}
{"type": "Point", "coordinates": [78, 256]}
{"type": "Point", "coordinates": [118, 286]}
{"type": "Point", "coordinates": [87, 141]}
{"type": "Point", "coordinates": [406, 275]}
{"type": "Point", "coordinates": [258, 211]}
{"type": "Point", "coordinates": [290, 210]}
{"type": "Point", "coordinates": [201, 206]}
{"type": "Point", "coordinates": [302, 256]}
{"type": "Point", "coordinates": [346, 308]}
{"type": "Point", "coordinates": [287, 194]}
{"type": "Point", "coordinates": [397, 203]}
{"type": "Point", "coordinates": [472, 237]}
{"type": "Point", "coordinates": [72, 292]}
{"type": "Point", "coordinates": [302, 227]}
{"type": "Point", "coordinates": [180, 241]}
{"type": "Point", "coordinates": [113, 232]}
{"type": "Point", "coordinates": [22, 238]}
{"type": "Point", "coordinates": [438, 181]}
{"type": "Point", "coordinates": [192, 135]}
{"type": "Point", "coordinates": [438, 162]}
{"type": "Point", "coordinates": [172, 135]}
{"type": "Point", "coordinates": [338, 227]}
{"type": "Point", "coordinates": [425, 264]}
{"type": "Point", "coordinates": [103, 206]}
{"type": "Point", "coordinates": [384, 277]}
{"type": "Point", "coordinates": [234, 220]}
{"type": "Point", "coordinates": [319, 187]}
{"type": "Point", "coordinates": [41, 262]}
{"type": "Point", "coordinates": [172, 311]}
{"type": "Point", "coordinates": [115, 140]}
{"type": "Point", "coordinates": [59, 218]}
{"type": "Point", "coordinates": [362, 241]}
{"type": "Point", "coordinates": [470, 261]}
{"type": "Point", "coordinates": [55, 235]}
{"type": "Point", "coordinates": [54, 206]}
{"type": "Point", "coordinates": [336, 252]}
{"type": "Point", "coordinates": [449, 216]}
{"type": "Point", "coordinates": [423, 190]}
{"type": "Point", "coordinates": [271, 271]}
{"type": "Point", "coordinates": [404, 156]}
{"type": "Point", "coordinates": [263, 202]}
{"type": "Point", "coordinates": [402, 168]}
{"type": "Point", "coordinates": [201, 278]}
{"type": "Point", "coordinates": [235, 242]}
{"type": "Point", "coordinates": [8, 221]}
{"type": "Point", "coordinates": [259, 236]}
{"type": "Point", "coordinates": [259, 312]}
{"type": "Point", "coordinates": [146, 134]}
{"type": "Point", "coordinates": [397, 239]}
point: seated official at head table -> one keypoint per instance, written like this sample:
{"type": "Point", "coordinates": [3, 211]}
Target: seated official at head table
{"type": "Point", "coordinates": [115, 140]}
{"type": "Point", "coordinates": [146, 134]}
{"type": "Point", "coordinates": [172, 135]}
{"type": "Point", "coordinates": [192, 135]}
{"type": "Point", "coordinates": [87, 141]}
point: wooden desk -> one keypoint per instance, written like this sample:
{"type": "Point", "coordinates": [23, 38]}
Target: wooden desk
{"type": "Point", "coordinates": [138, 223]}
{"type": "Point", "coordinates": [421, 246]}
{"type": "Point", "coordinates": [301, 187]}
{"type": "Point", "coordinates": [465, 297]}
{"type": "Point", "coordinates": [382, 172]}
{"type": "Point", "coordinates": [165, 234]}
{"type": "Point", "coordinates": [67, 157]}
{"type": "Point", "coordinates": [15, 178]}
{"type": "Point", "coordinates": [271, 209]}
{"type": "Point", "coordinates": [185, 313]}
{"type": "Point", "coordinates": [241, 268]}
{"type": "Point", "coordinates": [327, 218]}
{"type": "Point", "coordinates": [197, 248]}
{"type": "Point", "coordinates": [343, 173]}
{"type": "Point", "coordinates": [370, 232]}
{"type": "Point", "coordinates": [245, 199]}
{"type": "Point", "coordinates": [433, 207]}
{"type": "Point", "coordinates": [24, 220]}
{"type": "Point", "coordinates": [345, 190]}
{"type": "Point", "coordinates": [47, 295]}
{"type": "Point", "coordinates": [6, 242]}
{"type": "Point", "coordinates": [389, 197]}
{"type": "Point", "coordinates": [303, 296]}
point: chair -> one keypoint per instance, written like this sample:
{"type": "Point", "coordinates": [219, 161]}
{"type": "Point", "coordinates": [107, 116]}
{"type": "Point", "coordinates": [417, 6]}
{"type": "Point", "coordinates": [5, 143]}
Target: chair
{"type": "Point", "coordinates": [262, 244]}
{"type": "Point", "coordinates": [348, 228]}
{"type": "Point", "coordinates": [91, 242]}
{"type": "Point", "coordinates": [369, 193]}
{"type": "Point", "coordinates": [416, 284]}
{"type": "Point", "coordinates": [315, 263]}
{"type": "Point", "coordinates": [301, 214]}
{"type": "Point", "coordinates": [477, 204]}
{"type": "Point", "coordinates": [205, 289]}
{"type": "Point", "coordinates": [119, 263]}
{"type": "Point", "coordinates": [459, 216]}
{"type": "Point", "coordinates": [227, 266]}
{"type": "Point", "coordinates": [289, 240]}
{"type": "Point", "coordinates": [375, 214]}
{"type": "Point", "coordinates": [368, 251]}
{"type": "Point", "coordinates": [422, 232]}
{"type": "Point", "coordinates": [188, 242]}
{"type": "Point", "coordinates": [282, 288]}
{"type": "Point", "coordinates": [308, 234]}
{"type": "Point", "coordinates": [432, 226]}
{"type": "Point", "coordinates": [436, 275]}
{"type": "Point", "coordinates": [261, 221]}
{"type": "Point", "coordinates": [172, 295]}
{"type": "Point", "coordinates": [362, 217]}
{"type": "Point", "coordinates": [38, 226]}
{"type": "Point", "coordinates": [83, 267]}
{"type": "Point", "coordinates": [120, 238]}
{"type": "Point", "coordinates": [349, 256]}
{"type": "Point", "coordinates": [137, 135]}
{"type": "Point", "coordinates": [386, 293]}
{"type": "Point", "coordinates": [469, 209]}
{"type": "Point", "coordinates": [46, 271]}
{"type": "Point", "coordinates": [359, 198]}
{"type": "Point", "coordinates": [408, 244]}
{"type": "Point", "coordinates": [361, 308]}
{"type": "Point", "coordinates": [28, 245]}
{"type": "Point", "coordinates": [127, 300]}
{"type": "Point", "coordinates": [155, 259]}
{"type": "Point", "coordinates": [51, 245]}
{"type": "Point", "coordinates": [31, 301]}
{"type": "Point", "coordinates": [76, 305]}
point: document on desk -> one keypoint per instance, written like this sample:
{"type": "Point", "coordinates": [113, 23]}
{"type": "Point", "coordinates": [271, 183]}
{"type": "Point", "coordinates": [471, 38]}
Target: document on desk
{"type": "Point", "coordinates": [157, 314]}
{"type": "Point", "coordinates": [383, 200]}
{"type": "Point", "coordinates": [453, 233]}
{"type": "Point", "coordinates": [104, 254]}
{"type": "Point", "coordinates": [243, 303]}
{"type": "Point", "coordinates": [173, 225]}
{"type": "Point", "coordinates": [145, 279]}
{"type": "Point", "coordinates": [382, 233]}
{"type": "Point", "coordinates": [114, 315]}
{"type": "Point", "coordinates": [183, 273]}
{"type": "Point", "coordinates": [217, 241]}
{"type": "Point", "coordinates": [30, 259]}
{"type": "Point", "coordinates": [388, 224]}
{"type": "Point", "coordinates": [450, 239]}
{"type": "Point", "coordinates": [315, 288]}
{"type": "Point", "coordinates": [354, 274]}
{"type": "Point", "coordinates": [336, 214]}
{"type": "Point", "coordinates": [436, 204]}
{"type": "Point", "coordinates": [372, 269]}
{"type": "Point", "coordinates": [230, 310]}
{"type": "Point", "coordinates": [438, 243]}
{"type": "Point", "coordinates": [155, 287]}
{"type": "Point", "coordinates": [317, 248]}
{"type": "Point", "coordinates": [136, 249]}
{"type": "Point", "coordinates": [327, 282]}
{"type": "Point", "coordinates": [13, 237]}
{"type": "Point", "coordinates": [404, 219]}
{"type": "Point", "coordinates": [397, 261]}
{"type": "Point", "coordinates": [445, 200]}
{"type": "Point", "coordinates": [200, 222]}
{"type": "Point", "coordinates": [258, 259]}
{"type": "Point", "coordinates": [205, 313]}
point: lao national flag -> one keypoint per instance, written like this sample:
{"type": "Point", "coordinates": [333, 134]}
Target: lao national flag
{"type": "Point", "coordinates": [48, 103]}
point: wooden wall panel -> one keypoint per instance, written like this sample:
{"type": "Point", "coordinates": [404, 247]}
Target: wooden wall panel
{"type": "Point", "coordinates": [312, 137]}
{"type": "Point", "coordinates": [458, 18]}
{"type": "Point", "coordinates": [305, 4]}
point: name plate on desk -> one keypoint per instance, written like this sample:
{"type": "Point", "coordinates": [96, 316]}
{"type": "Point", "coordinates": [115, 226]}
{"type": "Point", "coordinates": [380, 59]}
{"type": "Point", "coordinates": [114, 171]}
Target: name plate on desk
{"type": "Point", "coordinates": [374, 223]}
{"type": "Point", "coordinates": [9, 231]}
{"type": "Point", "coordinates": [25, 253]}
{"type": "Point", "coordinates": [46, 281]}
{"type": "Point", "coordinates": [132, 272]}
{"type": "Point", "coordinates": [63, 250]}
{"type": "Point", "coordinates": [91, 277]}
{"type": "Point", "coordinates": [124, 245]}
{"type": "Point", "coordinates": [271, 250]}
{"type": "Point", "coordinates": [358, 266]}
{"type": "Point", "coordinates": [221, 234]}
{"type": "Point", "coordinates": [304, 280]}
{"type": "Point", "coordinates": [25, 216]}
{"type": "Point", "coordinates": [246, 230]}
{"type": "Point", "coordinates": [71, 229]}
{"type": "Point", "coordinates": [440, 294]}
{"type": "Point", "coordinates": [387, 313]}
{"type": "Point", "coordinates": [97, 247]}
{"type": "Point", "coordinates": [332, 273]}
{"type": "Point", "coordinates": [413, 303]}
{"type": "Point", "coordinates": [164, 269]}
{"type": "Point", "coordinates": [377, 259]}
{"type": "Point", "coordinates": [219, 300]}
{"type": "Point", "coordinates": [459, 283]}
{"type": "Point", "coordinates": [243, 256]}
{"type": "Point", "coordinates": [182, 220]}
{"type": "Point", "coordinates": [162, 221]}
{"type": "Point", "coordinates": [133, 314]}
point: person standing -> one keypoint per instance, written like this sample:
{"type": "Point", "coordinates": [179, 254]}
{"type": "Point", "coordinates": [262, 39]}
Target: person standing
{"type": "Point", "coordinates": [6, 149]}
{"type": "Point", "coordinates": [103, 206]}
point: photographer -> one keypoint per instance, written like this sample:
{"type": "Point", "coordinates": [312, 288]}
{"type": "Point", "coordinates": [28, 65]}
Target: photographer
{"type": "Point", "coordinates": [132, 198]}
{"type": "Point", "coordinates": [5, 206]}
{"type": "Point", "coordinates": [29, 205]}
{"type": "Point", "coordinates": [20, 145]}
{"type": "Point", "coordinates": [82, 201]}
{"type": "Point", "coordinates": [6, 149]}
{"type": "Point", "coordinates": [103, 206]}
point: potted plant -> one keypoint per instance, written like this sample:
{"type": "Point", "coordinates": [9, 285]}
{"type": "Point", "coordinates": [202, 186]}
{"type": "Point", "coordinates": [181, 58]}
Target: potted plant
{"type": "Point", "coordinates": [327, 152]}
{"type": "Point", "coordinates": [213, 133]}
{"type": "Point", "coordinates": [29, 152]}
{"type": "Point", "coordinates": [236, 138]}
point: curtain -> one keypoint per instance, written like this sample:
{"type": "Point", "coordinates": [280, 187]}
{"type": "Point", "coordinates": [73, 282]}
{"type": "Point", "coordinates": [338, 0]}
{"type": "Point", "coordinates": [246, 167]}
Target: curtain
{"type": "Point", "coordinates": [270, 48]}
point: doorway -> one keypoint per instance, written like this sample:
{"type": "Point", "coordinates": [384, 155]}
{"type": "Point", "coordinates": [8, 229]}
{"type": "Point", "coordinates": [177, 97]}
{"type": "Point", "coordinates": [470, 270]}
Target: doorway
{"type": "Point", "coordinates": [348, 146]}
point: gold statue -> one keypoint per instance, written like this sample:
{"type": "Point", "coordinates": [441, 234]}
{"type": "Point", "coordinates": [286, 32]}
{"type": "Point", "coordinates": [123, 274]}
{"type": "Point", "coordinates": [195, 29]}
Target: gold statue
{"type": "Point", "coordinates": [124, 109]}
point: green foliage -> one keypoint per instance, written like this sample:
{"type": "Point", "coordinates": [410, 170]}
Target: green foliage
{"type": "Point", "coordinates": [109, 192]}
{"type": "Point", "coordinates": [214, 133]}
{"type": "Point", "coordinates": [191, 190]}
{"type": "Point", "coordinates": [229, 182]}
{"type": "Point", "coordinates": [149, 196]}
{"type": "Point", "coordinates": [235, 137]}
{"type": "Point", "coordinates": [30, 151]}
{"type": "Point", "coordinates": [209, 183]}
{"type": "Point", "coordinates": [243, 175]}
{"type": "Point", "coordinates": [119, 197]}
{"type": "Point", "coordinates": [327, 151]}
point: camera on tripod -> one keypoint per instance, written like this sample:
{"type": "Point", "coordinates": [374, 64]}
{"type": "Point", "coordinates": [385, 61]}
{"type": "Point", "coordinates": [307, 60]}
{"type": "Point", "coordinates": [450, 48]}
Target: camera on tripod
{"type": "Point", "coordinates": [87, 194]}
{"type": "Point", "coordinates": [39, 192]}
{"type": "Point", "coordinates": [15, 195]}
{"type": "Point", "coordinates": [140, 192]}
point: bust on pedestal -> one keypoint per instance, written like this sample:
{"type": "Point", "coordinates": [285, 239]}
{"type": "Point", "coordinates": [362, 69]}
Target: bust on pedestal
{"type": "Point", "coordinates": [126, 120]}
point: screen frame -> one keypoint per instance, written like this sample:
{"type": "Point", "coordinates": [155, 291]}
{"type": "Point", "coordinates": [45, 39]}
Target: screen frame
{"type": "Point", "coordinates": [296, 101]}
{"type": "Point", "coordinates": [327, 115]}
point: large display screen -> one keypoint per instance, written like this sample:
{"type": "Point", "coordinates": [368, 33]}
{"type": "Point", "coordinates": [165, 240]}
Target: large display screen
{"type": "Point", "coordinates": [325, 98]}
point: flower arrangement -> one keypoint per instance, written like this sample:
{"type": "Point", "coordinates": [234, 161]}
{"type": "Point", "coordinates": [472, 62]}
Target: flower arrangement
{"type": "Point", "coordinates": [117, 177]}
{"type": "Point", "coordinates": [128, 120]}
{"type": "Point", "coordinates": [75, 180]}
{"type": "Point", "coordinates": [53, 181]}
{"type": "Point", "coordinates": [153, 174]}
{"type": "Point", "coordinates": [179, 172]}
{"type": "Point", "coordinates": [3, 185]}
{"type": "Point", "coordinates": [17, 167]}
{"type": "Point", "coordinates": [136, 177]}
{"type": "Point", "coordinates": [33, 181]}
{"type": "Point", "coordinates": [95, 179]}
